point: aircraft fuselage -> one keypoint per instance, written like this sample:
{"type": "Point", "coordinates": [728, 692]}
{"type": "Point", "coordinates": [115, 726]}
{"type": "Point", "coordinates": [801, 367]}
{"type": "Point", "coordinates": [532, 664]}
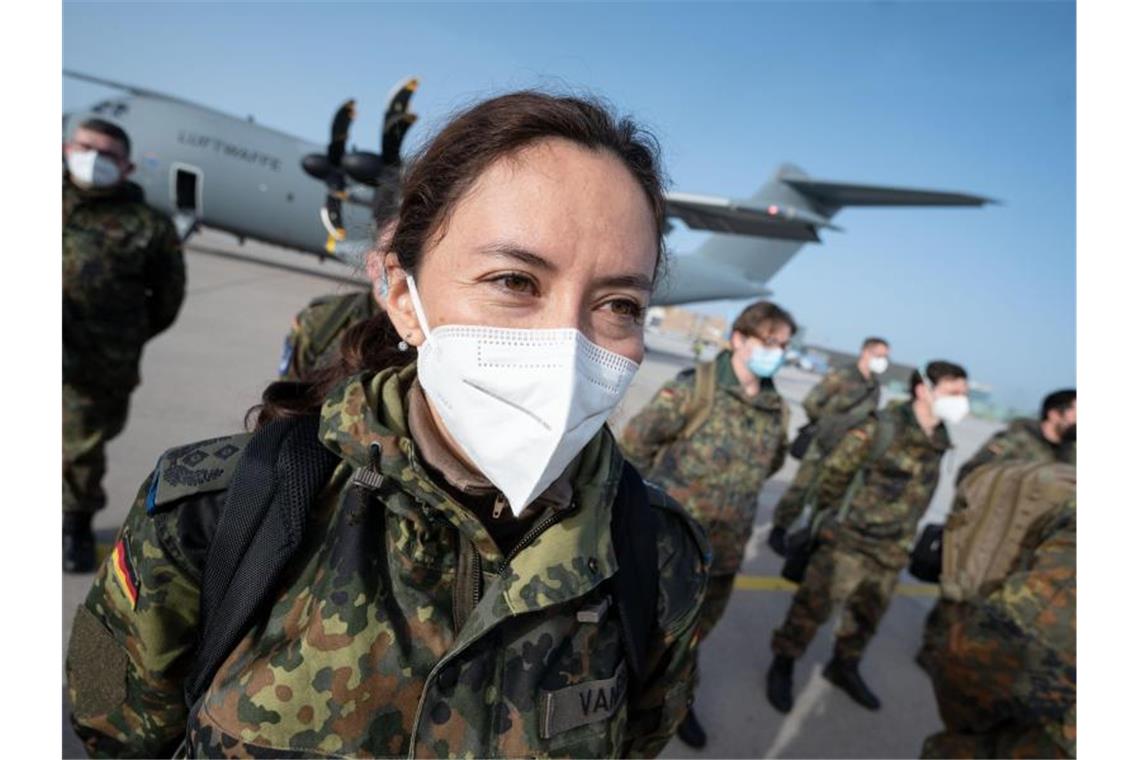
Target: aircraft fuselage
{"type": "Point", "coordinates": [238, 176]}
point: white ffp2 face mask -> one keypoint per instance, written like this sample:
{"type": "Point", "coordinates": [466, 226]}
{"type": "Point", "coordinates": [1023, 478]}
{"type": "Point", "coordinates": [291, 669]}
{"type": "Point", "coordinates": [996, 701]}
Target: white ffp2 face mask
{"type": "Point", "coordinates": [878, 364]}
{"type": "Point", "coordinates": [520, 403]}
{"type": "Point", "coordinates": [90, 168]}
{"type": "Point", "coordinates": [950, 409]}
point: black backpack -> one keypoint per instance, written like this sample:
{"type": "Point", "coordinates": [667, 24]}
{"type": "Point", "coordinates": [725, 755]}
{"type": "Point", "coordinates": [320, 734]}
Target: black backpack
{"type": "Point", "coordinates": [262, 525]}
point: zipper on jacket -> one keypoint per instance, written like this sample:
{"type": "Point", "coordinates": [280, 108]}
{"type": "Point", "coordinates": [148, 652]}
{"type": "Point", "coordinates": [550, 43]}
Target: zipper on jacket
{"type": "Point", "coordinates": [476, 579]}
{"type": "Point", "coordinates": [534, 532]}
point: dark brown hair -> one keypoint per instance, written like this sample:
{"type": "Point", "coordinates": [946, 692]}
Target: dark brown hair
{"type": "Point", "coordinates": [108, 129]}
{"type": "Point", "coordinates": [753, 318]}
{"type": "Point", "coordinates": [1059, 401]}
{"type": "Point", "coordinates": [935, 372]}
{"type": "Point", "coordinates": [435, 182]}
{"type": "Point", "coordinates": [873, 341]}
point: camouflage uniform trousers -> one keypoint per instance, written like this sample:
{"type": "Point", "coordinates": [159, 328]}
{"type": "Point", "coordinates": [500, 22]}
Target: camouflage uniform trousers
{"type": "Point", "coordinates": [90, 419]}
{"type": "Point", "coordinates": [792, 503]}
{"type": "Point", "coordinates": [836, 575]}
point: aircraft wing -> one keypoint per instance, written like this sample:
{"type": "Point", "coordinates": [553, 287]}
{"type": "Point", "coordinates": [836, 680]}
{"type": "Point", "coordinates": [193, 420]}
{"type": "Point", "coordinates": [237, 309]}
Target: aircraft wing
{"type": "Point", "coordinates": [834, 195]}
{"type": "Point", "coordinates": [717, 214]}
{"type": "Point", "coordinates": [130, 88]}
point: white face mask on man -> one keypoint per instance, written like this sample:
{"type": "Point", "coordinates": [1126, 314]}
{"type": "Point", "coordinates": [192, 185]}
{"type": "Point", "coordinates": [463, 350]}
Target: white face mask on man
{"type": "Point", "coordinates": [90, 168]}
{"type": "Point", "coordinates": [520, 403]}
{"type": "Point", "coordinates": [950, 409]}
{"type": "Point", "coordinates": [878, 364]}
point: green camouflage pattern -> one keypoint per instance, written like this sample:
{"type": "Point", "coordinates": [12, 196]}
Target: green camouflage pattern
{"type": "Point", "coordinates": [858, 559]}
{"type": "Point", "coordinates": [837, 576]}
{"type": "Point", "coordinates": [124, 279]}
{"type": "Point", "coordinates": [884, 514]}
{"type": "Point", "coordinates": [842, 392]}
{"type": "Point", "coordinates": [360, 654]}
{"type": "Point", "coordinates": [314, 338]}
{"type": "Point", "coordinates": [717, 472]}
{"type": "Point", "coordinates": [1005, 670]}
{"type": "Point", "coordinates": [90, 419]}
{"type": "Point", "coordinates": [1021, 441]}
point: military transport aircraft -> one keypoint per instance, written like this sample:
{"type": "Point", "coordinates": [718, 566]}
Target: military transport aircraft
{"type": "Point", "coordinates": [205, 167]}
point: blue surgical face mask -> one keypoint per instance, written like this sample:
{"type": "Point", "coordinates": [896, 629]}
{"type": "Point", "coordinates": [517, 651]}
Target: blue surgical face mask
{"type": "Point", "coordinates": [765, 361]}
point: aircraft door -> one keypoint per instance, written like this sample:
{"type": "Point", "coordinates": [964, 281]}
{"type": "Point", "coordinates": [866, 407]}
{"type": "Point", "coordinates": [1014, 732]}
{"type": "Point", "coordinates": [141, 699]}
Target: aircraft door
{"type": "Point", "coordinates": [186, 194]}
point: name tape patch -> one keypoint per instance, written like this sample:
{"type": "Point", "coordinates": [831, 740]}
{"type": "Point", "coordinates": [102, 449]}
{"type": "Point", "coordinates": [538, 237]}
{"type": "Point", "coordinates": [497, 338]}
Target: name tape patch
{"type": "Point", "coordinates": [577, 705]}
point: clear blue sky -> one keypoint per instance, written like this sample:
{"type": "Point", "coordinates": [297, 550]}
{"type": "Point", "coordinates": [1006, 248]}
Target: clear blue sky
{"type": "Point", "coordinates": [969, 96]}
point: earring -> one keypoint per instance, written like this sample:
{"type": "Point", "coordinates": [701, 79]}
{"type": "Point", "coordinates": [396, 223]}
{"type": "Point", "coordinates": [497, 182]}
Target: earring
{"type": "Point", "coordinates": [402, 345]}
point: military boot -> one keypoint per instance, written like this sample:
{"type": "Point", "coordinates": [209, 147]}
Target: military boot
{"type": "Point", "coordinates": [845, 675]}
{"type": "Point", "coordinates": [780, 683]}
{"type": "Point", "coordinates": [690, 731]}
{"type": "Point", "coordinates": [78, 543]}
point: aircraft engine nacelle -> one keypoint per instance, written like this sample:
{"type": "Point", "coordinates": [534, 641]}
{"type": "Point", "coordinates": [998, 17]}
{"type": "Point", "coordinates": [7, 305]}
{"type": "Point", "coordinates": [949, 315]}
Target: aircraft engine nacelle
{"type": "Point", "coordinates": [317, 166]}
{"type": "Point", "coordinates": [364, 167]}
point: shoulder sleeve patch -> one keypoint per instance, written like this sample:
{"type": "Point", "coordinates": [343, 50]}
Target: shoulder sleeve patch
{"type": "Point", "coordinates": [195, 468]}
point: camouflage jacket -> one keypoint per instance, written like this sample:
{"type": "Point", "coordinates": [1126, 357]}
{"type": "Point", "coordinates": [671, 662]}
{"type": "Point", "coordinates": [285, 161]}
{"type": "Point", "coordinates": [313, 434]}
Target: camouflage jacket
{"type": "Point", "coordinates": [718, 471]}
{"type": "Point", "coordinates": [361, 655]}
{"type": "Point", "coordinates": [1022, 440]}
{"type": "Point", "coordinates": [842, 391]}
{"type": "Point", "coordinates": [313, 341]}
{"type": "Point", "coordinates": [123, 283]}
{"type": "Point", "coordinates": [897, 488]}
{"type": "Point", "coordinates": [1005, 669]}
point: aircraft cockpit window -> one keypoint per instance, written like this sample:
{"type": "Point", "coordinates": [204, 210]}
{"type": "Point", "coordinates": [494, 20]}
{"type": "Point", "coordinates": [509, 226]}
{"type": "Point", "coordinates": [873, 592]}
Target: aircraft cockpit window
{"type": "Point", "coordinates": [111, 108]}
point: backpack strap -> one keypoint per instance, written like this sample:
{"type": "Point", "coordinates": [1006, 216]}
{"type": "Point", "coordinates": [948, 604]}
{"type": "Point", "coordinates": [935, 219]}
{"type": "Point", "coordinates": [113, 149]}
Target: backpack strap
{"type": "Point", "coordinates": [635, 525]}
{"type": "Point", "coordinates": [704, 395]}
{"type": "Point", "coordinates": [884, 436]}
{"type": "Point", "coordinates": [281, 471]}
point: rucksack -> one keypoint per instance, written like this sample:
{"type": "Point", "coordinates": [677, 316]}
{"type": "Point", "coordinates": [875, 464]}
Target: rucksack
{"type": "Point", "coordinates": [981, 541]}
{"type": "Point", "coordinates": [264, 520]}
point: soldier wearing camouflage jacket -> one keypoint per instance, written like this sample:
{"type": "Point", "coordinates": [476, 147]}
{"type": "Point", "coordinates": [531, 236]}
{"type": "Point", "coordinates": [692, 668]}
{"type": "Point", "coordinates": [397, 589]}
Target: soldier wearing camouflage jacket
{"type": "Point", "coordinates": [1022, 441]}
{"type": "Point", "coordinates": [417, 623]}
{"type": "Point", "coordinates": [1004, 668]}
{"type": "Point", "coordinates": [1049, 439]}
{"type": "Point", "coordinates": [850, 392]}
{"type": "Point", "coordinates": [862, 546]}
{"type": "Point", "coordinates": [716, 471]}
{"type": "Point", "coordinates": [123, 283]}
{"type": "Point", "coordinates": [314, 338]}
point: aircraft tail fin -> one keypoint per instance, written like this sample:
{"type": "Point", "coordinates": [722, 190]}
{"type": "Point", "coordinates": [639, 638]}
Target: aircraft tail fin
{"type": "Point", "coordinates": [793, 192]}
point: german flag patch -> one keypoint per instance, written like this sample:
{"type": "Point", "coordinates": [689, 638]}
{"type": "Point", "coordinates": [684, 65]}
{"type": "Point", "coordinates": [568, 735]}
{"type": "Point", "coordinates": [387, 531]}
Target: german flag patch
{"type": "Point", "coordinates": [124, 571]}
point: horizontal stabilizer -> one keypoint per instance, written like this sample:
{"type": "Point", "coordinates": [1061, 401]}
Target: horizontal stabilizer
{"type": "Point", "coordinates": [834, 195]}
{"type": "Point", "coordinates": [717, 214]}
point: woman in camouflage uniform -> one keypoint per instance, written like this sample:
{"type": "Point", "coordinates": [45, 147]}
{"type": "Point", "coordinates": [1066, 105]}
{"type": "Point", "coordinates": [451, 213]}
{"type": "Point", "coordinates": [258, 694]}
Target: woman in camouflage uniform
{"type": "Point", "coordinates": [419, 617]}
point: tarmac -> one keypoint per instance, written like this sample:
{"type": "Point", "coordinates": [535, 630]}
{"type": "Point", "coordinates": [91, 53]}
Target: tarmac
{"type": "Point", "coordinates": [203, 375]}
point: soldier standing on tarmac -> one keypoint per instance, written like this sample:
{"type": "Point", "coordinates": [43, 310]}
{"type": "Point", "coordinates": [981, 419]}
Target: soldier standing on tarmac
{"type": "Point", "coordinates": [123, 282]}
{"type": "Point", "coordinates": [875, 486]}
{"type": "Point", "coordinates": [843, 398]}
{"type": "Point", "coordinates": [711, 437]}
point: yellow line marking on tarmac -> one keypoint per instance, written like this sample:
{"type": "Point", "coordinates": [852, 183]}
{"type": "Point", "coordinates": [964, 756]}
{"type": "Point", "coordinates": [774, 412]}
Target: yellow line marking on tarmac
{"type": "Point", "coordinates": [775, 583]}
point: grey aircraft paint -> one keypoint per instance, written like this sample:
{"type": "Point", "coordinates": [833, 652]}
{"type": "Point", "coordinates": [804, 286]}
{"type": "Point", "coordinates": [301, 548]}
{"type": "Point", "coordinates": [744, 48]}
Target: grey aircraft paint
{"type": "Point", "coordinates": [246, 179]}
